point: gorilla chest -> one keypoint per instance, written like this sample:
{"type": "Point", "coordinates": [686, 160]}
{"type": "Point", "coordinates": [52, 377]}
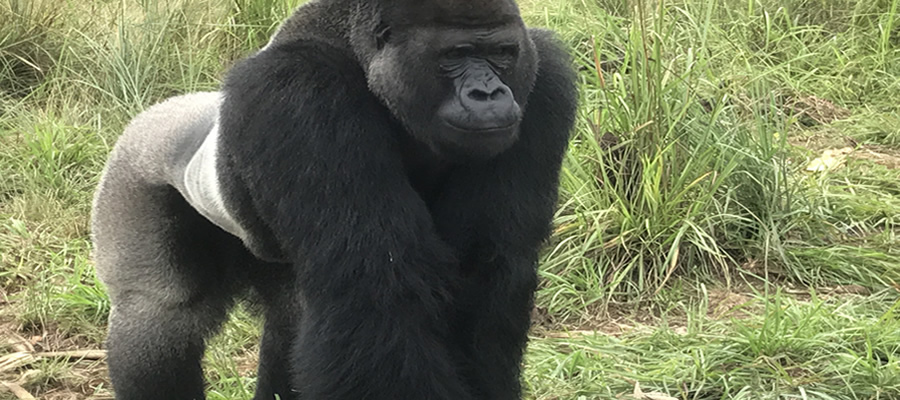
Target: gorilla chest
{"type": "Point", "coordinates": [428, 182]}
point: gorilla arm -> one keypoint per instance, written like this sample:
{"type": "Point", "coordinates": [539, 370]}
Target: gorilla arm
{"type": "Point", "coordinates": [312, 170]}
{"type": "Point", "coordinates": [499, 213]}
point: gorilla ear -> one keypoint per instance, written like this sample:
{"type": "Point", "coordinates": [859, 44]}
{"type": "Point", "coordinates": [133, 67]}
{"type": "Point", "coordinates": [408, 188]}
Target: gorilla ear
{"type": "Point", "coordinates": [382, 35]}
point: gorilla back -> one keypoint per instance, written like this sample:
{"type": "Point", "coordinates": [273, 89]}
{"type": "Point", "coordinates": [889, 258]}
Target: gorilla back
{"type": "Point", "coordinates": [382, 175]}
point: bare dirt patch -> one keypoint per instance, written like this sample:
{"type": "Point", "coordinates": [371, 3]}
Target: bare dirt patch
{"type": "Point", "coordinates": [821, 140]}
{"type": "Point", "coordinates": [617, 319]}
{"type": "Point", "coordinates": [738, 302]}
{"type": "Point", "coordinates": [828, 143]}
{"type": "Point", "coordinates": [49, 364]}
{"type": "Point", "coordinates": [811, 110]}
{"type": "Point", "coordinates": [882, 155]}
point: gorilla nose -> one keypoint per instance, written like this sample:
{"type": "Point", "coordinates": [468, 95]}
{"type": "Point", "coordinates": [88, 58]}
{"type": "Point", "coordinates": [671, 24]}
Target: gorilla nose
{"type": "Point", "coordinates": [485, 92]}
{"type": "Point", "coordinates": [484, 95]}
{"type": "Point", "coordinates": [490, 105]}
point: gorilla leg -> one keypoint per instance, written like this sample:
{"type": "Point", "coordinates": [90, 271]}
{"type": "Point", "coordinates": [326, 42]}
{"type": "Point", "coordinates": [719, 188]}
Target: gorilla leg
{"type": "Point", "coordinates": [275, 287]}
{"type": "Point", "coordinates": [167, 270]}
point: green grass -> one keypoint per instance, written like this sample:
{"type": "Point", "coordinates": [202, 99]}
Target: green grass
{"type": "Point", "coordinates": [825, 348]}
{"type": "Point", "coordinates": [694, 253]}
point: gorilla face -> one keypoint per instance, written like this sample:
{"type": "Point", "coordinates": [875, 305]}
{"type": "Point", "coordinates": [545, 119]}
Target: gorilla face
{"type": "Point", "coordinates": [459, 87]}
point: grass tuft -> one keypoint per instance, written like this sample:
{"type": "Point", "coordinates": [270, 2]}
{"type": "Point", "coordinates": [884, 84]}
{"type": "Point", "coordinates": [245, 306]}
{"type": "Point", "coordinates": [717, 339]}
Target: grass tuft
{"type": "Point", "coordinates": [695, 255]}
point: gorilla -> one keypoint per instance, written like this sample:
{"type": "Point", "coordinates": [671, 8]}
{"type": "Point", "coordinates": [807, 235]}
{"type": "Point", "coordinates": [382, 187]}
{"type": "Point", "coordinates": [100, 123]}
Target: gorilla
{"type": "Point", "coordinates": [380, 176]}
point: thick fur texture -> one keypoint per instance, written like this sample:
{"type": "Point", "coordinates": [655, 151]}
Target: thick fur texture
{"type": "Point", "coordinates": [386, 271]}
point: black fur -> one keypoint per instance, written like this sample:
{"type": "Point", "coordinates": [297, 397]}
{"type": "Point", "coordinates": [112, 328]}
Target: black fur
{"type": "Point", "coordinates": [387, 269]}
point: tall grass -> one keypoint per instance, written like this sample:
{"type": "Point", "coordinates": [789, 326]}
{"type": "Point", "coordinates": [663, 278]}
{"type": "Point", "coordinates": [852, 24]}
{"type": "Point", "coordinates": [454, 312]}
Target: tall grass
{"type": "Point", "coordinates": [26, 46]}
{"type": "Point", "coordinates": [71, 76]}
{"type": "Point", "coordinates": [684, 169]}
{"type": "Point", "coordinates": [681, 166]}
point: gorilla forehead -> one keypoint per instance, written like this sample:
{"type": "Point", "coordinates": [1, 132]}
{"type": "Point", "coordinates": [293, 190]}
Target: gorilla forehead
{"type": "Point", "coordinates": [455, 12]}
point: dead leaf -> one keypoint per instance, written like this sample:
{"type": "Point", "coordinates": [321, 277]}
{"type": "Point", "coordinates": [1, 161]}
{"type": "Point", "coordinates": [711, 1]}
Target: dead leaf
{"type": "Point", "coordinates": [829, 160]}
{"type": "Point", "coordinates": [12, 361]}
{"type": "Point", "coordinates": [18, 391]}
{"type": "Point", "coordinates": [639, 394]}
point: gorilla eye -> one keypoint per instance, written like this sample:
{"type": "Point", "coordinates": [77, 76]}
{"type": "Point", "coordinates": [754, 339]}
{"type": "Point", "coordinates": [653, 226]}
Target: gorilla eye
{"type": "Point", "coordinates": [459, 52]}
{"type": "Point", "coordinates": [382, 35]}
{"type": "Point", "coordinates": [507, 50]}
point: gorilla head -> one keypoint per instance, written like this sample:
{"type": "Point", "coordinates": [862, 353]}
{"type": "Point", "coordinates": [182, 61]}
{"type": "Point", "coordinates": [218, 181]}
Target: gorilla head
{"type": "Point", "coordinates": [456, 73]}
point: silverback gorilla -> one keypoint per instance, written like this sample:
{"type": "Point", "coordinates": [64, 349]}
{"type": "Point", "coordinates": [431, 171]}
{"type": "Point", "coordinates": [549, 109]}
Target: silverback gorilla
{"type": "Point", "coordinates": [380, 176]}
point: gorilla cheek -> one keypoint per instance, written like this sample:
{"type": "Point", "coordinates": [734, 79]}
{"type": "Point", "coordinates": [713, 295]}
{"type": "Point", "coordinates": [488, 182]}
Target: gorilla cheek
{"type": "Point", "coordinates": [385, 83]}
{"type": "Point", "coordinates": [388, 79]}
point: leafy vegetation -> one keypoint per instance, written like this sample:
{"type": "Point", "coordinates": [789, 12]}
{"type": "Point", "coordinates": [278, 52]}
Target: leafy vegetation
{"type": "Point", "coordinates": [729, 214]}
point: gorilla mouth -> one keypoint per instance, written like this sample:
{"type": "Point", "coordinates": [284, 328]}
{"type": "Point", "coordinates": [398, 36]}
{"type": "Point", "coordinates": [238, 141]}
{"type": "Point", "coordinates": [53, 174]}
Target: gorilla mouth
{"type": "Point", "coordinates": [481, 142]}
{"type": "Point", "coordinates": [490, 130]}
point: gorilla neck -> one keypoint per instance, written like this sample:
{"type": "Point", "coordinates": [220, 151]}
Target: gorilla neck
{"type": "Point", "coordinates": [343, 24]}
{"type": "Point", "coordinates": [319, 20]}
{"type": "Point", "coordinates": [425, 169]}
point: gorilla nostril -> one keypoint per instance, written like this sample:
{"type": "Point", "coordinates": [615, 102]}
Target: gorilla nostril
{"type": "Point", "coordinates": [479, 95]}
{"type": "Point", "coordinates": [482, 95]}
{"type": "Point", "coordinates": [498, 94]}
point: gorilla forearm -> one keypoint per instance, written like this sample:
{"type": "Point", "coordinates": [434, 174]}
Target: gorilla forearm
{"type": "Point", "coordinates": [498, 213]}
{"type": "Point", "coordinates": [365, 259]}
{"type": "Point", "coordinates": [333, 151]}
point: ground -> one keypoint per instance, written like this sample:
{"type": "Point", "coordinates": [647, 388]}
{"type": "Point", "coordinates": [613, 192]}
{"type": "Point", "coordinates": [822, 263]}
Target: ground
{"type": "Point", "coordinates": [729, 214]}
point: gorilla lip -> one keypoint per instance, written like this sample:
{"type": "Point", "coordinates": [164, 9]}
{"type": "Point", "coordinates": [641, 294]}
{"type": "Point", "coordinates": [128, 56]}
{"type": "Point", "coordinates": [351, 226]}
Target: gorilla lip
{"type": "Point", "coordinates": [488, 142]}
{"type": "Point", "coordinates": [492, 131]}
